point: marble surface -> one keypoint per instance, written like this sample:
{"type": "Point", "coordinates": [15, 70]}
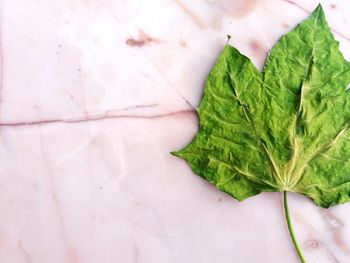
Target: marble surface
{"type": "Point", "coordinates": [93, 96]}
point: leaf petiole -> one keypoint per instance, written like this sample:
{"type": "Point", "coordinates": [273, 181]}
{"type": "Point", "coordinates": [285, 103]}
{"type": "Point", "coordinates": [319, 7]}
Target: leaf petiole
{"type": "Point", "coordinates": [290, 228]}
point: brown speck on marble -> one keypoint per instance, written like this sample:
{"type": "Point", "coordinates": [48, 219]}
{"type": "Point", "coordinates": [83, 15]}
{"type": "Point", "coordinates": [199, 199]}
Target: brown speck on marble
{"type": "Point", "coordinates": [254, 45]}
{"type": "Point", "coordinates": [285, 25]}
{"type": "Point", "coordinates": [143, 39]}
{"type": "Point", "coordinates": [182, 43]}
{"type": "Point", "coordinates": [332, 6]}
{"type": "Point", "coordinates": [257, 50]}
{"type": "Point", "coordinates": [312, 244]}
{"type": "Point", "coordinates": [135, 43]}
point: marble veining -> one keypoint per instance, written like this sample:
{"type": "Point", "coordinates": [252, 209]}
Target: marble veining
{"type": "Point", "coordinates": [94, 94]}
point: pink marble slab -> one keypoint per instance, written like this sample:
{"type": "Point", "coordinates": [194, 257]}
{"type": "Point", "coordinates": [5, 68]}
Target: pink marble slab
{"type": "Point", "coordinates": [94, 94]}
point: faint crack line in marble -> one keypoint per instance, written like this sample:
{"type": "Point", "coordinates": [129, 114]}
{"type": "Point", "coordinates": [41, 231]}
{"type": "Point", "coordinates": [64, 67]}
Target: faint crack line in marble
{"type": "Point", "coordinates": [144, 226]}
{"type": "Point", "coordinates": [190, 13]}
{"type": "Point", "coordinates": [299, 6]}
{"type": "Point", "coordinates": [55, 200]}
{"type": "Point", "coordinates": [25, 254]}
{"type": "Point", "coordinates": [308, 12]}
{"type": "Point", "coordinates": [84, 94]}
{"type": "Point", "coordinates": [98, 117]}
{"type": "Point", "coordinates": [331, 256]}
{"type": "Point", "coordinates": [167, 80]}
{"type": "Point", "coordinates": [132, 107]}
{"type": "Point", "coordinates": [69, 155]}
{"type": "Point", "coordinates": [136, 252]}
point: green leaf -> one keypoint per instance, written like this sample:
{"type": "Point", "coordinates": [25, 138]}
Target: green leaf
{"type": "Point", "coordinates": [283, 129]}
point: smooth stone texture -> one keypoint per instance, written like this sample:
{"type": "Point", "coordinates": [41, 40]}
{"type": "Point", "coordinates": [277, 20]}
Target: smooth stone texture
{"type": "Point", "coordinates": [94, 94]}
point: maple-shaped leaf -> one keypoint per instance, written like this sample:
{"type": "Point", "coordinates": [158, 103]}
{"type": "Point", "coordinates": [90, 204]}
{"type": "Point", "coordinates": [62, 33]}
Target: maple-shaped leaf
{"type": "Point", "coordinates": [283, 129]}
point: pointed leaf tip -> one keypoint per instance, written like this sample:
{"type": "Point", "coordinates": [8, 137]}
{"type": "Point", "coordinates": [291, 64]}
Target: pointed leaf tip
{"type": "Point", "coordinates": [318, 11]}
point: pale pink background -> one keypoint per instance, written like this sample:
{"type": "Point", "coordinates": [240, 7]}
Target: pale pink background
{"type": "Point", "coordinates": [93, 96]}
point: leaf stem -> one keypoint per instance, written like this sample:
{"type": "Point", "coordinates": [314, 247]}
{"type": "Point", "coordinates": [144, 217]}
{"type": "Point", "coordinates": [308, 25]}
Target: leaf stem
{"type": "Point", "coordinates": [290, 228]}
